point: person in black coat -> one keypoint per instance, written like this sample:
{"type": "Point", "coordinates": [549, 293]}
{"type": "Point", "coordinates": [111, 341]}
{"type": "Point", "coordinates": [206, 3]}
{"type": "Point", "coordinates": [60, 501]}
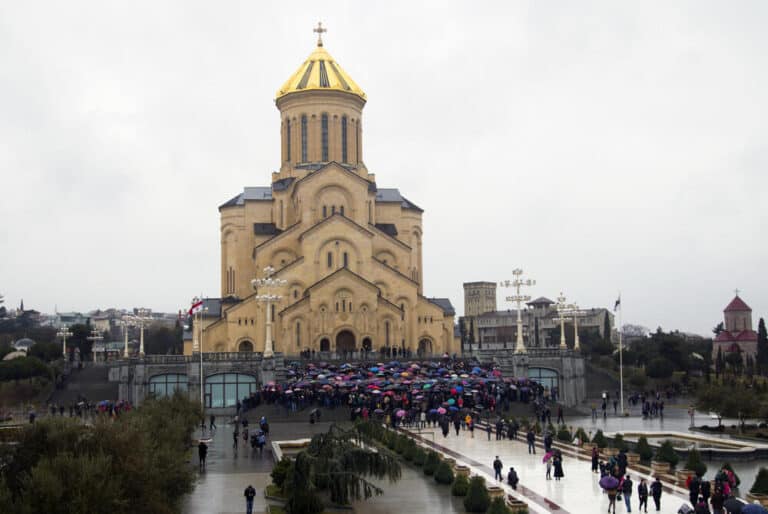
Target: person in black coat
{"type": "Point", "coordinates": [512, 478]}
{"type": "Point", "coordinates": [557, 462]}
{"type": "Point", "coordinates": [656, 493]}
{"type": "Point", "coordinates": [642, 493]}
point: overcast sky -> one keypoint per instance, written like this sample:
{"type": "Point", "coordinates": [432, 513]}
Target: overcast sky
{"type": "Point", "coordinates": [601, 146]}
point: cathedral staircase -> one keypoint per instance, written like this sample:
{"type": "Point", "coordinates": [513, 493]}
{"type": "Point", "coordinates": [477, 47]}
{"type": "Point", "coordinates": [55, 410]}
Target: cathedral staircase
{"type": "Point", "coordinates": [91, 383]}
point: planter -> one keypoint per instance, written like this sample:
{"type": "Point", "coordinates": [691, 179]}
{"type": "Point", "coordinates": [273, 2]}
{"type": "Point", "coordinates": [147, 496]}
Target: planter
{"type": "Point", "coordinates": [495, 491]}
{"type": "Point", "coordinates": [668, 478]}
{"type": "Point", "coordinates": [462, 471]}
{"type": "Point", "coordinates": [587, 447]}
{"type": "Point", "coordinates": [633, 458]}
{"type": "Point", "coordinates": [516, 505]}
{"type": "Point", "coordinates": [660, 467]}
{"type": "Point", "coordinates": [450, 462]}
{"type": "Point", "coordinates": [762, 498]}
{"type": "Point", "coordinates": [610, 452]}
{"type": "Point", "coordinates": [681, 475]}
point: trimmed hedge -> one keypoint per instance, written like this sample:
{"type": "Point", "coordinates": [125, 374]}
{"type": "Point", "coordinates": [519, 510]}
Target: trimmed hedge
{"type": "Point", "coordinates": [600, 440]}
{"type": "Point", "coordinates": [444, 473]}
{"type": "Point", "coordinates": [498, 506]}
{"type": "Point", "coordinates": [761, 482]}
{"type": "Point", "coordinates": [431, 463]}
{"type": "Point", "coordinates": [667, 453]}
{"type": "Point", "coordinates": [644, 449]}
{"type": "Point", "coordinates": [460, 486]}
{"type": "Point", "coordinates": [419, 456]}
{"type": "Point", "coordinates": [695, 464]}
{"type": "Point", "coordinates": [477, 499]}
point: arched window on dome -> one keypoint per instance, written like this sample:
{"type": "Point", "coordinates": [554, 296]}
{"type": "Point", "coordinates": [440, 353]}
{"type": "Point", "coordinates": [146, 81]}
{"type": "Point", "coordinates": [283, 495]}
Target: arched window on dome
{"type": "Point", "coordinates": [341, 210]}
{"type": "Point", "coordinates": [298, 333]}
{"type": "Point", "coordinates": [343, 139]}
{"type": "Point", "coordinates": [325, 211]}
{"type": "Point", "coordinates": [304, 138]}
{"type": "Point", "coordinates": [386, 333]}
{"type": "Point", "coordinates": [324, 136]}
{"type": "Point", "coordinates": [287, 140]}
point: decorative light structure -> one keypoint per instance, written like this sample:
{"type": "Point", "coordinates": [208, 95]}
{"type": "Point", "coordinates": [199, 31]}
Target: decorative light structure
{"type": "Point", "coordinates": [64, 333]}
{"type": "Point", "coordinates": [562, 312]}
{"type": "Point", "coordinates": [95, 337]}
{"type": "Point", "coordinates": [268, 286]}
{"type": "Point", "coordinates": [517, 283]}
{"type": "Point", "coordinates": [140, 319]}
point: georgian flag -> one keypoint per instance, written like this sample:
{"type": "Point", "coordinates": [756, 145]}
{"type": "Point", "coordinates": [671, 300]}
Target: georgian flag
{"type": "Point", "coordinates": [196, 306]}
{"type": "Point", "coordinates": [617, 304]}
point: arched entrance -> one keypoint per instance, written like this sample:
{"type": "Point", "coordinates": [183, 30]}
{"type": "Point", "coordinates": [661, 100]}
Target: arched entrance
{"type": "Point", "coordinates": [425, 348]}
{"type": "Point", "coordinates": [345, 342]}
{"type": "Point", "coordinates": [325, 345]}
{"type": "Point", "coordinates": [367, 344]}
{"type": "Point", "coordinates": [245, 347]}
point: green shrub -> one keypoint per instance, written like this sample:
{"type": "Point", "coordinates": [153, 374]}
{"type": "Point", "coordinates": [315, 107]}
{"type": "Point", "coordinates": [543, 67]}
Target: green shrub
{"type": "Point", "coordinates": [419, 456]}
{"type": "Point", "coordinates": [582, 435]}
{"type": "Point", "coordinates": [431, 463]}
{"type": "Point", "coordinates": [460, 486]}
{"type": "Point", "coordinates": [410, 450]}
{"type": "Point", "coordinates": [498, 506]}
{"type": "Point", "coordinates": [563, 434]}
{"type": "Point", "coordinates": [694, 463]}
{"type": "Point", "coordinates": [619, 443]}
{"type": "Point", "coordinates": [600, 440]}
{"type": "Point", "coordinates": [305, 501]}
{"type": "Point", "coordinates": [644, 449]}
{"type": "Point", "coordinates": [280, 471]}
{"type": "Point", "coordinates": [761, 482]}
{"type": "Point", "coordinates": [401, 443]}
{"type": "Point", "coordinates": [667, 453]}
{"type": "Point", "coordinates": [391, 440]}
{"type": "Point", "coordinates": [477, 499]}
{"type": "Point", "coordinates": [444, 473]}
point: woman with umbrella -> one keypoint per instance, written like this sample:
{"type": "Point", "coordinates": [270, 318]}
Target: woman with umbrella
{"type": "Point", "coordinates": [548, 461]}
{"type": "Point", "coordinates": [557, 462]}
{"type": "Point", "coordinates": [611, 486]}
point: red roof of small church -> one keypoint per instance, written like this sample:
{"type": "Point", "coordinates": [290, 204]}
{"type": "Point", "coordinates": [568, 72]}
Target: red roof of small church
{"type": "Point", "coordinates": [737, 304]}
{"type": "Point", "coordinates": [744, 335]}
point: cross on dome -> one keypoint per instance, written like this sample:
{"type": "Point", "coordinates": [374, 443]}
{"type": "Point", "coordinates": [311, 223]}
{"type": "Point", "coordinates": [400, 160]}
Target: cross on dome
{"type": "Point", "coordinates": [319, 29]}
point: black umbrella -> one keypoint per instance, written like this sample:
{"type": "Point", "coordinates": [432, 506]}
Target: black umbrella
{"type": "Point", "coordinates": [733, 506]}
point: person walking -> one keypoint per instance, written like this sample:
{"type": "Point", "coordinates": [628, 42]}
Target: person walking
{"type": "Point", "coordinates": [512, 478]}
{"type": "Point", "coordinates": [202, 453]}
{"type": "Point", "coordinates": [497, 467]}
{"type": "Point", "coordinates": [656, 493]}
{"type": "Point", "coordinates": [626, 491]}
{"type": "Point", "coordinates": [642, 493]}
{"type": "Point", "coordinates": [212, 424]}
{"type": "Point", "coordinates": [489, 428]}
{"type": "Point", "coordinates": [560, 418]}
{"type": "Point", "coordinates": [557, 462]}
{"type": "Point", "coordinates": [693, 490]}
{"type": "Point", "coordinates": [250, 494]}
{"type": "Point", "coordinates": [531, 438]}
{"type": "Point", "coordinates": [595, 459]}
{"type": "Point", "coordinates": [548, 463]}
{"type": "Point", "coordinates": [612, 500]}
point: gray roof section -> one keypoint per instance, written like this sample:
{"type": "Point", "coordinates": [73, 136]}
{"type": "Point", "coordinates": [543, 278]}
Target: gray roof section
{"type": "Point", "coordinates": [213, 306]}
{"type": "Point", "coordinates": [392, 195]}
{"type": "Point", "coordinates": [541, 300]}
{"type": "Point", "coordinates": [260, 193]}
{"type": "Point", "coordinates": [445, 304]}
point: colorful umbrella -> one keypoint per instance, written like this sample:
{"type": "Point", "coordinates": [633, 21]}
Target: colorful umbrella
{"type": "Point", "coordinates": [609, 482]}
{"type": "Point", "coordinates": [441, 410]}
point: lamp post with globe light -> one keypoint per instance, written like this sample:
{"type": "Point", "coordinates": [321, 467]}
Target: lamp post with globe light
{"type": "Point", "coordinates": [140, 319]}
{"type": "Point", "coordinates": [268, 285]}
{"type": "Point", "coordinates": [64, 333]}
{"type": "Point", "coordinates": [518, 282]}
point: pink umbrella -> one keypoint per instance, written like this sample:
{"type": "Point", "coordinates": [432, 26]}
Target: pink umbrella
{"type": "Point", "coordinates": [441, 410]}
{"type": "Point", "coordinates": [547, 456]}
{"type": "Point", "coordinates": [400, 413]}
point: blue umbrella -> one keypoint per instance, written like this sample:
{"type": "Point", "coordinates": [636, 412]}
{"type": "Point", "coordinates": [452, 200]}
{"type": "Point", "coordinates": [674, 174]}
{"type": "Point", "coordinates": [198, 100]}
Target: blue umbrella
{"type": "Point", "coordinates": [453, 408]}
{"type": "Point", "coordinates": [753, 508]}
{"type": "Point", "coordinates": [609, 482]}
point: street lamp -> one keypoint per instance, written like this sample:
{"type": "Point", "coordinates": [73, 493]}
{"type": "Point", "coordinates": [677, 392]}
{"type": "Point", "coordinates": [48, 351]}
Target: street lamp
{"type": "Point", "coordinates": [517, 282]}
{"type": "Point", "coordinates": [140, 319]}
{"type": "Point", "coordinates": [124, 325]}
{"type": "Point", "coordinates": [95, 337]}
{"type": "Point", "coordinates": [198, 308]}
{"type": "Point", "coordinates": [64, 333]}
{"type": "Point", "coordinates": [267, 285]}
{"type": "Point", "coordinates": [562, 310]}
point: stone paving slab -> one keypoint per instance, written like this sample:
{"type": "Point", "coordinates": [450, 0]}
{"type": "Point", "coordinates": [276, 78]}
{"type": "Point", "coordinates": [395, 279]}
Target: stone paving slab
{"type": "Point", "coordinates": [578, 492]}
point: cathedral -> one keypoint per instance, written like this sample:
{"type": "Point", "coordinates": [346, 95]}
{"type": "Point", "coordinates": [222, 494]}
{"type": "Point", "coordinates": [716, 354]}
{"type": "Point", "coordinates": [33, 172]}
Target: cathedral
{"type": "Point", "coordinates": [347, 253]}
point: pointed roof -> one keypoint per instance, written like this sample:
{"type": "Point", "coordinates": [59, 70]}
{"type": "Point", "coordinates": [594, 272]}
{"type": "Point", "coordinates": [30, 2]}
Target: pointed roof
{"type": "Point", "coordinates": [321, 72]}
{"type": "Point", "coordinates": [737, 304]}
{"type": "Point", "coordinates": [541, 300]}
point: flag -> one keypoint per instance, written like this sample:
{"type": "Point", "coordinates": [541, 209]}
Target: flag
{"type": "Point", "coordinates": [617, 304]}
{"type": "Point", "coordinates": [196, 306]}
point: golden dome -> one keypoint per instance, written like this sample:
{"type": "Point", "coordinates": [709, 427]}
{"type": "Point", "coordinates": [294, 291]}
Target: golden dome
{"type": "Point", "coordinates": [320, 72]}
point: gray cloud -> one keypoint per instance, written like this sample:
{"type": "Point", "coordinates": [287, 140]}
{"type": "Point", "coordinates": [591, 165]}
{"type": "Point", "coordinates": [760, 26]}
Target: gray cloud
{"type": "Point", "coordinates": [602, 146]}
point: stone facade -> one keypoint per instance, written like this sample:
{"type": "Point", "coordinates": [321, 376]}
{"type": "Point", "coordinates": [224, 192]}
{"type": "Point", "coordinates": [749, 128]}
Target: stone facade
{"type": "Point", "coordinates": [351, 252]}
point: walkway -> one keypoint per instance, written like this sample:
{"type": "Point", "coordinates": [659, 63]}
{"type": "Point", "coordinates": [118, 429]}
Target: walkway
{"type": "Point", "coordinates": [577, 493]}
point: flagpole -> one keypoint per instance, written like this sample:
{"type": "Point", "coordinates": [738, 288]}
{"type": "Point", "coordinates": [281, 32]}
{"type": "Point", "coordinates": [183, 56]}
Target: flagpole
{"type": "Point", "coordinates": [200, 317]}
{"type": "Point", "coordinates": [621, 362]}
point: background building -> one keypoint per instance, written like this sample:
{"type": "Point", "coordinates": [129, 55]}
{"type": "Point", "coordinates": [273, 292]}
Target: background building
{"type": "Point", "coordinates": [737, 335]}
{"type": "Point", "coordinates": [487, 328]}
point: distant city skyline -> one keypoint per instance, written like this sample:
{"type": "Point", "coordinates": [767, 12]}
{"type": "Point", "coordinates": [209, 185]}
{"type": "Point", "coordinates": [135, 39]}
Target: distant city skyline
{"type": "Point", "coordinates": [601, 148]}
